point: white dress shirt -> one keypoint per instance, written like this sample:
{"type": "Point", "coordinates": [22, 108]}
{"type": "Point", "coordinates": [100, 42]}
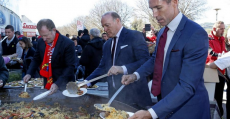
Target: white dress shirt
{"type": "Point", "coordinates": [117, 40]}
{"type": "Point", "coordinates": [223, 61]}
{"type": "Point", "coordinates": [172, 29]}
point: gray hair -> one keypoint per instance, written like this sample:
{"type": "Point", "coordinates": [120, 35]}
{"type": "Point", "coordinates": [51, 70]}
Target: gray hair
{"type": "Point", "coordinates": [216, 25]}
{"type": "Point", "coordinates": [45, 22]}
{"type": "Point", "coordinates": [94, 32]}
{"type": "Point", "coordinates": [113, 14]}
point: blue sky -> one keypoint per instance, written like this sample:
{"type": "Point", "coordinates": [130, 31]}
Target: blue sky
{"type": "Point", "coordinates": [64, 11]}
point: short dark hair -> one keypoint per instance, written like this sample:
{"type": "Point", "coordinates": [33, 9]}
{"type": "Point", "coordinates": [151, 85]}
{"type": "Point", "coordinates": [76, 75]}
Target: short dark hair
{"type": "Point", "coordinates": [74, 38]}
{"type": "Point", "coordinates": [17, 33]}
{"type": "Point", "coordinates": [10, 27]}
{"type": "Point", "coordinates": [46, 22]}
{"type": "Point", "coordinates": [79, 32]}
{"type": "Point", "coordinates": [34, 38]}
{"type": "Point", "coordinates": [113, 14]}
{"type": "Point", "coordinates": [67, 35]}
{"type": "Point", "coordinates": [27, 42]}
{"type": "Point", "coordinates": [86, 31]}
{"type": "Point", "coordinates": [104, 33]}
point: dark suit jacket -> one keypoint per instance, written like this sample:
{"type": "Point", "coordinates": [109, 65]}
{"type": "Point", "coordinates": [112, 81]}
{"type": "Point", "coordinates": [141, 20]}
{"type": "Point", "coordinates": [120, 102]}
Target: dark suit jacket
{"type": "Point", "coordinates": [132, 52]}
{"type": "Point", "coordinates": [4, 74]}
{"type": "Point", "coordinates": [62, 62]}
{"type": "Point", "coordinates": [184, 95]}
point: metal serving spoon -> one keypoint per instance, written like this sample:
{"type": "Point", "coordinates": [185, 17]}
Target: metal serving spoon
{"type": "Point", "coordinates": [101, 106]}
{"type": "Point", "coordinates": [25, 87]}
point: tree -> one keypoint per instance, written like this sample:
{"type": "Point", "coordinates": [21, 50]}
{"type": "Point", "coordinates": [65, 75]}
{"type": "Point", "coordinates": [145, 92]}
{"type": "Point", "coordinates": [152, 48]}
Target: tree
{"type": "Point", "coordinates": [104, 6]}
{"type": "Point", "coordinates": [72, 27]}
{"type": "Point", "coordinates": [142, 11]}
{"type": "Point", "coordinates": [137, 24]}
{"type": "Point", "coordinates": [193, 9]}
{"type": "Point", "coordinates": [93, 20]}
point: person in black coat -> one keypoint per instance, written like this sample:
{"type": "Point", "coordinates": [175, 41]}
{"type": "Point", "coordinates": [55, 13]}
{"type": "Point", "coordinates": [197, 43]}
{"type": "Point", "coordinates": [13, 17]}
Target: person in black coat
{"type": "Point", "coordinates": [84, 39]}
{"type": "Point", "coordinates": [58, 63]}
{"type": "Point", "coordinates": [80, 34]}
{"type": "Point", "coordinates": [92, 53]}
{"type": "Point", "coordinates": [78, 51]}
{"type": "Point", "coordinates": [4, 74]}
{"type": "Point", "coordinates": [34, 42]}
{"type": "Point", "coordinates": [27, 55]}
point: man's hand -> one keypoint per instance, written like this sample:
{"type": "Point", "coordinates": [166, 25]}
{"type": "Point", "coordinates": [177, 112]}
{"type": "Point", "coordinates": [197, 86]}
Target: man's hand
{"type": "Point", "coordinates": [1, 83]}
{"type": "Point", "coordinates": [142, 114]}
{"type": "Point", "coordinates": [115, 70]}
{"type": "Point", "coordinates": [143, 30]}
{"type": "Point", "coordinates": [26, 78]}
{"type": "Point", "coordinates": [127, 79]}
{"type": "Point", "coordinates": [53, 88]}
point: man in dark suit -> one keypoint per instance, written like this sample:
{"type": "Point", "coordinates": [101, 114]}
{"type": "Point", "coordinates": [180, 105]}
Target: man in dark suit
{"type": "Point", "coordinates": [123, 53]}
{"type": "Point", "coordinates": [34, 42]}
{"type": "Point", "coordinates": [177, 65]}
{"type": "Point", "coordinates": [55, 55]}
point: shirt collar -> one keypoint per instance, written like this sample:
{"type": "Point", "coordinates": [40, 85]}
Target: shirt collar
{"type": "Point", "coordinates": [119, 32]}
{"type": "Point", "coordinates": [9, 41]}
{"type": "Point", "coordinates": [175, 22]}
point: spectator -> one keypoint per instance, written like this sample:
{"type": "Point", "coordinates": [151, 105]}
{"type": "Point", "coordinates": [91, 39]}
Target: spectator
{"type": "Point", "coordinates": [4, 74]}
{"type": "Point", "coordinates": [153, 37]}
{"type": "Point", "coordinates": [104, 37]}
{"type": "Point", "coordinates": [217, 44]}
{"type": "Point", "coordinates": [80, 34]}
{"type": "Point", "coordinates": [11, 46]}
{"type": "Point", "coordinates": [67, 35]}
{"type": "Point", "coordinates": [27, 55]}
{"type": "Point", "coordinates": [92, 53]}
{"type": "Point", "coordinates": [78, 51]}
{"type": "Point", "coordinates": [18, 34]}
{"type": "Point", "coordinates": [34, 42]}
{"type": "Point", "coordinates": [84, 39]}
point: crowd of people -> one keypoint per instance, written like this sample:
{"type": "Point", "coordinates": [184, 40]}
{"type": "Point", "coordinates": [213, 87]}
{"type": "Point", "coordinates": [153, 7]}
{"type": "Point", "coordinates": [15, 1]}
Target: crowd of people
{"type": "Point", "coordinates": [176, 65]}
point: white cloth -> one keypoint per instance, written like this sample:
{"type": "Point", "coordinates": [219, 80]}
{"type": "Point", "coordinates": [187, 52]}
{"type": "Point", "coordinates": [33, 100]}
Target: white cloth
{"type": "Point", "coordinates": [223, 61]}
{"type": "Point", "coordinates": [172, 29]}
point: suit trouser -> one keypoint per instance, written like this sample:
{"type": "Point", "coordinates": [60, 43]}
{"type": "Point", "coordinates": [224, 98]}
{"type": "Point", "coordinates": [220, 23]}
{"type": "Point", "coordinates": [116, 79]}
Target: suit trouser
{"type": "Point", "coordinates": [228, 103]}
{"type": "Point", "coordinates": [219, 94]}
